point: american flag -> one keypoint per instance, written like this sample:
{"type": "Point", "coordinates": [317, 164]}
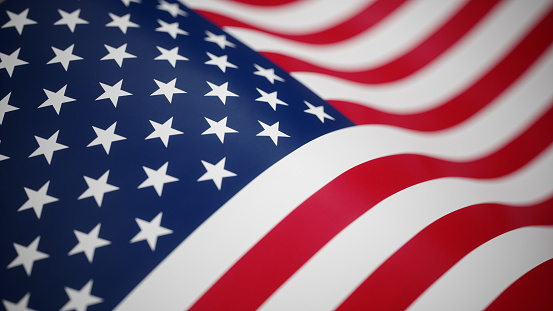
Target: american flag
{"type": "Point", "coordinates": [149, 160]}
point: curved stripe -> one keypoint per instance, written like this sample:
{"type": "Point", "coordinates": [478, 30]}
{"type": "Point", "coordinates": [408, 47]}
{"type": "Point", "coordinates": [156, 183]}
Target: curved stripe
{"type": "Point", "coordinates": [264, 202]}
{"type": "Point", "coordinates": [353, 254]}
{"type": "Point", "coordinates": [482, 275]}
{"type": "Point", "coordinates": [363, 20]}
{"type": "Point", "coordinates": [300, 17]}
{"type": "Point", "coordinates": [531, 292]}
{"type": "Point", "coordinates": [318, 219]}
{"type": "Point", "coordinates": [429, 49]}
{"type": "Point", "coordinates": [266, 2]}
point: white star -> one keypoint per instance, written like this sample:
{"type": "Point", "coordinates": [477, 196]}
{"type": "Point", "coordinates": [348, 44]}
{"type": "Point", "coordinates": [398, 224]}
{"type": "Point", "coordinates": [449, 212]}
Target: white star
{"type": "Point", "coordinates": [271, 99]}
{"type": "Point", "coordinates": [79, 300]}
{"type": "Point", "coordinates": [37, 199]}
{"type": "Point", "coordinates": [172, 56]}
{"type": "Point", "coordinates": [218, 128]}
{"type": "Point", "coordinates": [271, 131]}
{"type": "Point", "coordinates": [47, 147]}
{"type": "Point", "coordinates": [88, 243]}
{"type": "Point", "coordinates": [56, 99]}
{"type": "Point", "coordinates": [117, 54]}
{"type": "Point", "coordinates": [220, 40]}
{"type": "Point", "coordinates": [171, 8]}
{"type": "Point", "coordinates": [128, 2]}
{"type": "Point", "coordinates": [64, 57]}
{"type": "Point", "coordinates": [27, 255]}
{"type": "Point", "coordinates": [123, 22]}
{"type": "Point", "coordinates": [172, 29]}
{"type": "Point", "coordinates": [216, 172]}
{"type": "Point", "coordinates": [9, 62]}
{"type": "Point", "coordinates": [219, 61]}
{"type": "Point", "coordinates": [157, 178]}
{"type": "Point", "coordinates": [70, 19]}
{"type": "Point", "coordinates": [318, 111]}
{"type": "Point", "coordinates": [5, 107]}
{"type": "Point", "coordinates": [97, 188]}
{"type": "Point", "coordinates": [19, 306]}
{"type": "Point", "coordinates": [150, 231]}
{"type": "Point", "coordinates": [267, 73]}
{"type": "Point", "coordinates": [163, 131]}
{"type": "Point", "coordinates": [105, 137]}
{"type": "Point", "coordinates": [167, 89]}
{"type": "Point", "coordinates": [113, 92]}
{"type": "Point", "coordinates": [3, 157]}
{"type": "Point", "coordinates": [18, 20]}
{"type": "Point", "coordinates": [220, 91]}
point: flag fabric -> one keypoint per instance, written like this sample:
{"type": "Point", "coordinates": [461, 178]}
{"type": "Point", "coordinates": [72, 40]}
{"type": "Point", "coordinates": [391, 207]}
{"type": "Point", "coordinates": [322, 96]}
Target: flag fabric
{"type": "Point", "coordinates": [151, 161]}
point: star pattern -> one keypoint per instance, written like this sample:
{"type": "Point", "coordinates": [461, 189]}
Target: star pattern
{"type": "Point", "coordinates": [219, 61]}
{"type": "Point", "coordinates": [123, 22]}
{"type": "Point", "coordinates": [97, 188]}
{"type": "Point", "coordinates": [216, 172]}
{"type": "Point", "coordinates": [150, 231]}
{"type": "Point", "coordinates": [318, 111]}
{"type": "Point", "coordinates": [220, 91]}
{"type": "Point", "coordinates": [27, 255]}
{"type": "Point", "coordinates": [64, 56]}
{"type": "Point", "coordinates": [105, 137]}
{"type": "Point", "coordinates": [172, 29]}
{"type": "Point", "coordinates": [70, 19]}
{"type": "Point", "coordinates": [117, 54]}
{"type": "Point", "coordinates": [37, 199]}
{"type": "Point", "coordinates": [113, 92]}
{"type": "Point", "coordinates": [56, 99]}
{"type": "Point", "coordinates": [171, 8]}
{"type": "Point", "coordinates": [9, 62]}
{"type": "Point", "coordinates": [18, 20]}
{"type": "Point", "coordinates": [128, 2]}
{"type": "Point", "coordinates": [157, 178]}
{"type": "Point", "coordinates": [5, 107]}
{"type": "Point", "coordinates": [80, 300]}
{"type": "Point", "coordinates": [218, 128]}
{"type": "Point", "coordinates": [168, 89]}
{"type": "Point", "coordinates": [172, 56]}
{"type": "Point", "coordinates": [163, 131]}
{"type": "Point", "coordinates": [220, 40]}
{"type": "Point", "coordinates": [47, 147]}
{"type": "Point", "coordinates": [271, 99]}
{"type": "Point", "coordinates": [21, 305]}
{"type": "Point", "coordinates": [267, 73]}
{"type": "Point", "coordinates": [272, 132]}
{"type": "Point", "coordinates": [88, 243]}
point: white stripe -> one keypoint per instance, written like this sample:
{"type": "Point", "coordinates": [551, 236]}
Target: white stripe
{"type": "Point", "coordinates": [442, 79]}
{"type": "Point", "coordinates": [481, 276]}
{"type": "Point", "coordinates": [239, 224]}
{"type": "Point", "coordinates": [301, 17]}
{"type": "Point", "coordinates": [349, 258]}
{"type": "Point", "coordinates": [408, 25]}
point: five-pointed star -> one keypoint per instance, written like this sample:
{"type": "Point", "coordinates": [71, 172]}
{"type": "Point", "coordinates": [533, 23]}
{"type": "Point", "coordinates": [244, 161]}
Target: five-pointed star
{"type": "Point", "coordinates": [268, 73]}
{"type": "Point", "coordinates": [47, 147]}
{"type": "Point", "coordinates": [117, 54]}
{"type": "Point", "coordinates": [216, 172]}
{"type": "Point", "coordinates": [157, 178]}
{"type": "Point", "coordinates": [70, 19]}
{"type": "Point", "coordinates": [37, 199]}
{"type": "Point", "coordinates": [220, 91]}
{"type": "Point", "coordinates": [172, 56]}
{"type": "Point", "coordinates": [123, 22]}
{"type": "Point", "coordinates": [219, 61]}
{"type": "Point", "coordinates": [171, 8]}
{"type": "Point", "coordinates": [167, 89]}
{"type": "Point", "coordinates": [18, 20]}
{"type": "Point", "coordinates": [150, 231]}
{"type": "Point", "coordinates": [21, 305]}
{"type": "Point", "coordinates": [5, 107]}
{"type": "Point", "coordinates": [271, 131]}
{"type": "Point", "coordinates": [128, 2]}
{"type": "Point", "coordinates": [3, 157]}
{"type": "Point", "coordinates": [218, 128]}
{"type": "Point", "coordinates": [271, 99]}
{"type": "Point", "coordinates": [9, 62]}
{"type": "Point", "coordinates": [163, 131]}
{"type": "Point", "coordinates": [27, 255]}
{"type": "Point", "coordinates": [56, 99]}
{"type": "Point", "coordinates": [105, 137]}
{"type": "Point", "coordinates": [97, 188]}
{"type": "Point", "coordinates": [79, 300]}
{"type": "Point", "coordinates": [172, 29]}
{"type": "Point", "coordinates": [64, 57]}
{"type": "Point", "coordinates": [318, 111]}
{"type": "Point", "coordinates": [220, 40]}
{"type": "Point", "coordinates": [88, 243]}
{"type": "Point", "coordinates": [113, 92]}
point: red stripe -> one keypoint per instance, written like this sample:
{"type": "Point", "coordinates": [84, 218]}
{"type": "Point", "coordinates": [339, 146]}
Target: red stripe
{"type": "Point", "coordinates": [309, 227]}
{"type": "Point", "coordinates": [474, 98]}
{"type": "Point", "coordinates": [533, 291]}
{"type": "Point", "coordinates": [422, 260]}
{"type": "Point", "coordinates": [432, 47]}
{"type": "Point", "coordinates": [365, 19]}
{"type": "Point", "coordinates": [266, 2]}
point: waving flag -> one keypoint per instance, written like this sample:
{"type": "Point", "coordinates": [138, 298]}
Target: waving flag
{"type": "Point", "coordinates": [151, 161]}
